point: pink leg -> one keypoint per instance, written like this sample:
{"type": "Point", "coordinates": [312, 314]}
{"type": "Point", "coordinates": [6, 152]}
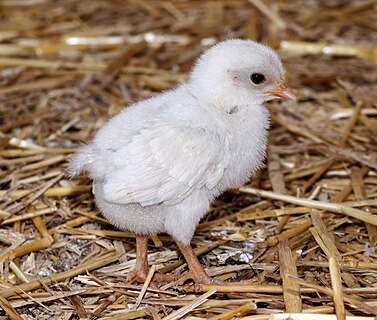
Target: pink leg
{"type": "Point", "coordinates": [197, 271]}
{"type": "Point", "coordinates": [139, 274]}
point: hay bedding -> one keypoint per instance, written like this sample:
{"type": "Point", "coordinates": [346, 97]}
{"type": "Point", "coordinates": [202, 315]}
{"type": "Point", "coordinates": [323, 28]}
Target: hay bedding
{"type": "Point", "coordinates": [305, 229]}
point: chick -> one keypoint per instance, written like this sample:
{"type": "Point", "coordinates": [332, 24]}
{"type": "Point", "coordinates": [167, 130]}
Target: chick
{"type": "Point", "coordinates": [157, 165]}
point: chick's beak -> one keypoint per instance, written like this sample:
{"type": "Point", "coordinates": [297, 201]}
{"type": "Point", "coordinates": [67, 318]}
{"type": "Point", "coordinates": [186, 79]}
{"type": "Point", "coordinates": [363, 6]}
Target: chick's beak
{"type": "Point", "coordinates": [283, 91]}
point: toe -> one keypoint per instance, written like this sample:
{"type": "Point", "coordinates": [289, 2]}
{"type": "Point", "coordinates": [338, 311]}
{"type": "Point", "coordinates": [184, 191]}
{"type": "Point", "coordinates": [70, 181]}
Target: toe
{"type": "Point", "coordinates": [136, 276]}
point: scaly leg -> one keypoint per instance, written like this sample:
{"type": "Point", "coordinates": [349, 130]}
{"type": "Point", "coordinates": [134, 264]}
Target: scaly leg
{"type": "Point", "coordinates": [197, 271]}
{"type": "Point", "coordinates": [139, 274]}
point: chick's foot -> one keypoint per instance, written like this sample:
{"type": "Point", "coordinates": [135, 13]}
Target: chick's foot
{"type": "Point", "coordinates": [140, 273]}
{"type": "Point", "coordinates": [197, 272]}
{"type": "Point", "coordinates": [136, 275]}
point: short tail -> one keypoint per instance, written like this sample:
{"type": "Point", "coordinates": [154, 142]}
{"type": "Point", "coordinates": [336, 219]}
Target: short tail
{"type": "Point", "coordinates": [80, 161]}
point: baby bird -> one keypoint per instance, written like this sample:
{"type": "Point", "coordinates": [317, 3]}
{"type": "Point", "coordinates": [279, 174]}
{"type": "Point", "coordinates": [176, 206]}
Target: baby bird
{"type": "Point", "coordinates": [157, 165]}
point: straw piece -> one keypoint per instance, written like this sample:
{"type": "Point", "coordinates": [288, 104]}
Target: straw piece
{"type": "Point", "coordinates": [209, 304]}
{"type": "Point", "coordinates": [100, 233]}
{"type": "Point", "coordinates": [49, 83]}
{"type": "Point", "coordinates": [302, 316]}
{"type": "Point", "coordinates": [41, 190]}
{"type": "Point", "coordinates": [316, 235]}
{"type": "Point", "coordinates": [354, 118]}
{"type": "Point", "coordinates": [277, 182]}
{"type": "Point", "coordinates": [6, 62]}
{"type": "Point", "coordinates": [332, 207]}
{"type": "Point", "coordinates": [43, 163]}
{"type": "Point", "coordinates": [295, 129]}
{"type": "Point", "coordinates": [271, 15]}
{"type": "Point", "coordinates": [190, 306]}
{"type": "Point", "coordinates": [248, 288]}
{"type": "Point", "coordinates": [327, 243]}
{"type": "Point", "coordinates": [360, 194]}
{"type": "Point", "coordinates": [313, 169]}
{"type": "Point", "coordinates": [4, 215]}
{"type": "Point", "coordinates": [41, 226]}
{"type": "Point", "coordinates": [291, 290]}
{"type": "Point", "coordinates": [72, 223]}
{"type": "Point", "coordinates": [321, 309]}
{"type": "Point", "coordinates": [370, 124]}
{"type": "Point", "coordinates": [324, 167]}
{"type": "Point", "coordinates": [298, 230]}
{"type": "Point", "coordinates": [275, 173]}
{"type": "Point", "coordinates": [347, 189]}
{"type": "Point", "coordinates": [13, 153]}
{"type": "Point", "coordinates": [134, 314]}
{"type": "Point", "coordinates": [105, 304]}
{"type": "Point", "coordinates": [236, 312]}
{"type": "Point", "coordinates": [54, 192]}
{"type": "Point", "coordinates": [156, 241]}
{"type": "Point", "coordinates": [359, 6]}
{"type": "Point", "coordinates": [336, 283]}
{"type": "Point", "coordinates": [36, 245]}
{"type": "Point", "coordinates": [271, 213]}
{"type": "Point", "coordinates": [30, 215]}
{"type": "Point", "coordinates": [147, 281]}
{"type": "Point", "coordinates": [359, 157]}
{"type": "Point", "coordinates": [105, 259]}
{"type": "Point", "coordinates": [56, 296]}
{"type": "Point", "coordinates": [351, 300]}
{"type": "Point", "coordinates": [77, 303]}
{"type": "Point", "coordinates": [328, 246]}
{"type": "Point", "coordinates": [64, 128]}
{"type": "Point", "coordinates": [115, 66]}
{"type": "Point", "coordinates": [19, 274]}
{"type": "Point", "coordinates": [10, 50]}
{"type": "Point", "coordinates": [8, 309]}
{"type": "Point", "coordinates": [343, 265]}
{"type": "Point", "coordinates": [302, 47]}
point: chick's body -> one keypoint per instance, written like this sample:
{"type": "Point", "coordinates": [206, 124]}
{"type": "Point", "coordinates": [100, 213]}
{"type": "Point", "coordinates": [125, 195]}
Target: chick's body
{"type": "Point", "coordinates": [158, 164]}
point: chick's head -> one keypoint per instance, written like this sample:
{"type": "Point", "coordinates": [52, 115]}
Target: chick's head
{"type": "Point", "coordinates": [240, 72]}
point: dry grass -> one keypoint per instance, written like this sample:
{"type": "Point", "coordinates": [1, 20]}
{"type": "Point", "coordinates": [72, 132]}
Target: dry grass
{"type": "Point", "coordinates": [304, 230]}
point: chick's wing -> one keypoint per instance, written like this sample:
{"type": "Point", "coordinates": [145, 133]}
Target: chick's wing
{"type": "Point", "coordinates": [164, 164]}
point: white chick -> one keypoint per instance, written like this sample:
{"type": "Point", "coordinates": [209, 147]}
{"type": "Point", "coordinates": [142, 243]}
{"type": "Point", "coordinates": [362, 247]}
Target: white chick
{"type": "Point", "coordinates": [158, 164]}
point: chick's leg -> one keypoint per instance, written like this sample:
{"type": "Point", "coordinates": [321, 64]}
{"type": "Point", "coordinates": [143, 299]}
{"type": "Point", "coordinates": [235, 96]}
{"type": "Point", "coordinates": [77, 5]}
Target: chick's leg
{"type": "Point", "coordinates": [196, 269]}
{"type": "Point", "coordinates": [140, 272]}
{"type": "Point", "coordinates": [198, 273]}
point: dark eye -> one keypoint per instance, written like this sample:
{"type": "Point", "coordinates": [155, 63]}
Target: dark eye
{"type": "Point", "coordinates": [257, 78]}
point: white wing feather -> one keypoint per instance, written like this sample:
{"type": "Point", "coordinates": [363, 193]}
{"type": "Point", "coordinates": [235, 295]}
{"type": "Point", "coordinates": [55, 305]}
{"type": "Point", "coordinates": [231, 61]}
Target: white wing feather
{"type": "Point", "coordinates": [164, 164]}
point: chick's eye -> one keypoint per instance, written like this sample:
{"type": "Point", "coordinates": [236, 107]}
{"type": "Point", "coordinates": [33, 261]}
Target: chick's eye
{"type": "Point", "coordinates": [257, 78]}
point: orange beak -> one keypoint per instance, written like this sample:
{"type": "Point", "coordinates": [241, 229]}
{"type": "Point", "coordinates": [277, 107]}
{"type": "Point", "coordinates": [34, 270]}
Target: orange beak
{"type": "Point", "coordinates": [283, 91]}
